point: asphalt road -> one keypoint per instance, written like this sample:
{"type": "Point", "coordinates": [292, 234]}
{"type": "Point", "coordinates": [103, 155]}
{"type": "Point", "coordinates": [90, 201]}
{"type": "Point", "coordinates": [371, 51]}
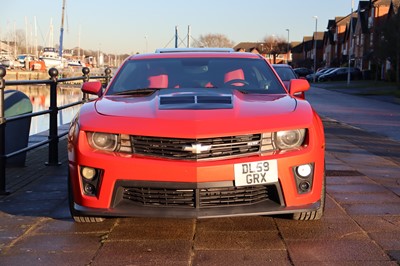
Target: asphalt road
{"type": "Point", "coordinates": [374, 114]}
{"type": "Point", "coordinates": [361, 225]}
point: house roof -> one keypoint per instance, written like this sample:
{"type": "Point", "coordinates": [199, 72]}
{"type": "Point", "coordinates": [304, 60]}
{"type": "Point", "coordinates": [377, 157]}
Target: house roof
{"type": "Point", "coordinates": [318, 35]}
{"type": "Point", "coordinates": [247, 46]}
{"type": "Point", "coordinates": [298, 48]}
{"type": "Point", "coordinates": [339, 20]}
{"type": "Point", "coordinates": [294, 44]}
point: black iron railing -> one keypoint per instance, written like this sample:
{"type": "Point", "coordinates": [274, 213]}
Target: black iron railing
{"type": "Point", "coordinates": [53, 135]}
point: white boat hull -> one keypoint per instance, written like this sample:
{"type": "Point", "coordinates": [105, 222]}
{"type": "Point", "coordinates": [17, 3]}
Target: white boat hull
{"type": "Point", "coordinates": [49, 62]}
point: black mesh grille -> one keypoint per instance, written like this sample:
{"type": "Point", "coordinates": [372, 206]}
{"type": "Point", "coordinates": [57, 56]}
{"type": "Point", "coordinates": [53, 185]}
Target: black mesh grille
{"type": "Point", "coordinates": [197, 149]}
{"type": "Point", "coordinates": [198, 198]}
{"type": "Point", "coordinates": [232, 196]}
{"type": "Point", "coordinates": [159, 196]}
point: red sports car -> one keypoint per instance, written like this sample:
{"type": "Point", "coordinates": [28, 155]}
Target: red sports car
{"type": "Point", "coordinates": [196, 133]}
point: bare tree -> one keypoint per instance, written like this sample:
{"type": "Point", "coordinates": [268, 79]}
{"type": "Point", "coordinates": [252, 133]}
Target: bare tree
{"type": "Point", "coordinates": [214, 40]}
{"type": "Point", "coordinates": [274, 46]}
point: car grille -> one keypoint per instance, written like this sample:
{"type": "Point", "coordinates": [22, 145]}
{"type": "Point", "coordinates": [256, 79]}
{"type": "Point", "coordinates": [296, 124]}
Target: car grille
{"type": "Point", "coordinates": [200, 197]}
{"type": "Point", "coordinates": [200, 149]}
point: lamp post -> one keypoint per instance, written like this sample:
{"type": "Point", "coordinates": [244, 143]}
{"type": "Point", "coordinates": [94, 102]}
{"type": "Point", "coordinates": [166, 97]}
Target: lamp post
{"type": "Point", "coordinates": [350, 42]}
{"type": "Point", "coordinates": [145, 37]}
{"type": "Point", "coordinates": [315, 45]}
{"type": "Point", "coordinates": [288, 46]}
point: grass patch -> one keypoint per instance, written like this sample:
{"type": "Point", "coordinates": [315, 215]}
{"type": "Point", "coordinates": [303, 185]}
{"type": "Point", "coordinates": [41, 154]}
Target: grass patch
{"type": "Point", "coordinates": [359, 84]}
{"type": "Point", "coordinates": [364, 87]}
{"type": "Point", "coordinates": [381, 92]}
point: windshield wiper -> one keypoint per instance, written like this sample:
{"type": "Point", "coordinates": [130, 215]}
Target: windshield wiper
{"type": "Point", "coordinates": [138, 91]}
{"type": "Point", "coordinates": [247, 91]}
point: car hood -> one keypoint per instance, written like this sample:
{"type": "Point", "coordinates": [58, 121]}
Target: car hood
{"type": "Point", "coordinates": [196, 103]}
{"type": "Point", "coordinates": [194, 113]}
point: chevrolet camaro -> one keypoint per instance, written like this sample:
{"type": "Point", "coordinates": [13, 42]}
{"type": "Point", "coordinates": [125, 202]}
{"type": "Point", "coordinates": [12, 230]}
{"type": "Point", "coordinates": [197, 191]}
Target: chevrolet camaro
{"type": "Point", "coordinates": [196, 133]}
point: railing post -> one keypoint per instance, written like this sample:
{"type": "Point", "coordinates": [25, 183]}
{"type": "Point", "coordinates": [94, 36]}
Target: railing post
{"type": "Point", "coordinates": [3, 158]}
{"type": "Point", "coordinates": [53, 127]}
{"type": "Point", "coordinates": [107, 71]}
{"type": "Point", "coordinates": [85, 72]}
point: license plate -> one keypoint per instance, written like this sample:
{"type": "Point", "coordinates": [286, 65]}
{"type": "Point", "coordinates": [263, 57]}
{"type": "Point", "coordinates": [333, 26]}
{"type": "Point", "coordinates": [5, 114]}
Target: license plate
{"type": "Point", "coordinates": [256, 173]}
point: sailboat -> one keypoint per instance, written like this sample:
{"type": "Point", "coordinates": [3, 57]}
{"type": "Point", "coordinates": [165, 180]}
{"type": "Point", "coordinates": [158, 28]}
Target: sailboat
{"type": "Point", "coordinates": [50, 56]}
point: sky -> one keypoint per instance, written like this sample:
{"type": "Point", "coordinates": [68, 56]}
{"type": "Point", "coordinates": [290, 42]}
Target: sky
{"type": "Point", "coordinates": [131, 26]}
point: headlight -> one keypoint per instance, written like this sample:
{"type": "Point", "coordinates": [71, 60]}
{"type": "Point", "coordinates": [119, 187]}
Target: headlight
{"type": "Point", "coordinates": [289, 139]}
{"type": "Point", "coordinates": [103, 141]}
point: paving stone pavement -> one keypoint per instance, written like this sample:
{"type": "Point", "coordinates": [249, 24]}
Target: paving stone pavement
{"type": "Point", "coordinates": [361, 225]}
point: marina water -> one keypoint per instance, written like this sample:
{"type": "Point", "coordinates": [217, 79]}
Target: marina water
{"type": "Point", "coordinates": [40, 99]}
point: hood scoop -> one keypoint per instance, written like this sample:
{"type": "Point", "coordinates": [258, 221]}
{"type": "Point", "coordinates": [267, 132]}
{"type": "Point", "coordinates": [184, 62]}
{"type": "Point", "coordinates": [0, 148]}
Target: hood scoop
{"type": "Point", "coordinates": [196, 102]}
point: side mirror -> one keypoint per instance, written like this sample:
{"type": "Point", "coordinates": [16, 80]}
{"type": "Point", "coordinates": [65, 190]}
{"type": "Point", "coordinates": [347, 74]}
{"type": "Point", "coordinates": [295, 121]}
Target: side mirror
{"type": "Point", "coordinates": [298, 87]}
{"type": "Point", "coordinates": [92, 87]}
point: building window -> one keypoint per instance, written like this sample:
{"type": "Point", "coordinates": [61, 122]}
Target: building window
{"type": "Point", "coordinates": [371, 39]}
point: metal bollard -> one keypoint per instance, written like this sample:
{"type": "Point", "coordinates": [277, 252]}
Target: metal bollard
{"type": "Point", "coordinates": [85, 72]}
{"type": "Point", "coordinates": [53, 127]}
{"type": "Point", "coordinates": [107, 71]}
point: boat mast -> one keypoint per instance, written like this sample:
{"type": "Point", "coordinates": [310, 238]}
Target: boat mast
{"type": "Point", "coordinates": [36, 44]}
{"type": "Point", "coordinates": [60, 52]}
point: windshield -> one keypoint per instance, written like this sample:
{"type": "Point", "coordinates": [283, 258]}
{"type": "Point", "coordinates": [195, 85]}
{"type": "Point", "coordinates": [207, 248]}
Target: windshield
{"type": "Point", "coordinates": [247, 75]}
{"type": "Point", "coordinates": [285, 73]}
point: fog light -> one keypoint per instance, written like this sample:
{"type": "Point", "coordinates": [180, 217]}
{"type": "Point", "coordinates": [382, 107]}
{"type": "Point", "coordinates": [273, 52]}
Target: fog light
{"type": "Point", "coordinates": [88, 173]}
{"type": "Point", "coordinates": [304, 186]}
{"type": "Point", "coordinates": [89, 189]}
{"type": "Point", "coordinates": [304, 170]}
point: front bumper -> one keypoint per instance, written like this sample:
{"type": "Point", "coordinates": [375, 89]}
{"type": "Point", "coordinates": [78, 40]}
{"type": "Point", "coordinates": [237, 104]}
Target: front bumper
{"type": "Point", "coordinates": [124, 174]}
{"type": "Point", "coordinates": [193, 200]}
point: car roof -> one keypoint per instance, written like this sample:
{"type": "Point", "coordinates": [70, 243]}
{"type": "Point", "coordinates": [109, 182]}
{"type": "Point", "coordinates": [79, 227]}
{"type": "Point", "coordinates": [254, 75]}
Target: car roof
{"type": "Point", "coordinates": [196, 53]}
{"type": "Point", "coordinates": [181, 50]}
